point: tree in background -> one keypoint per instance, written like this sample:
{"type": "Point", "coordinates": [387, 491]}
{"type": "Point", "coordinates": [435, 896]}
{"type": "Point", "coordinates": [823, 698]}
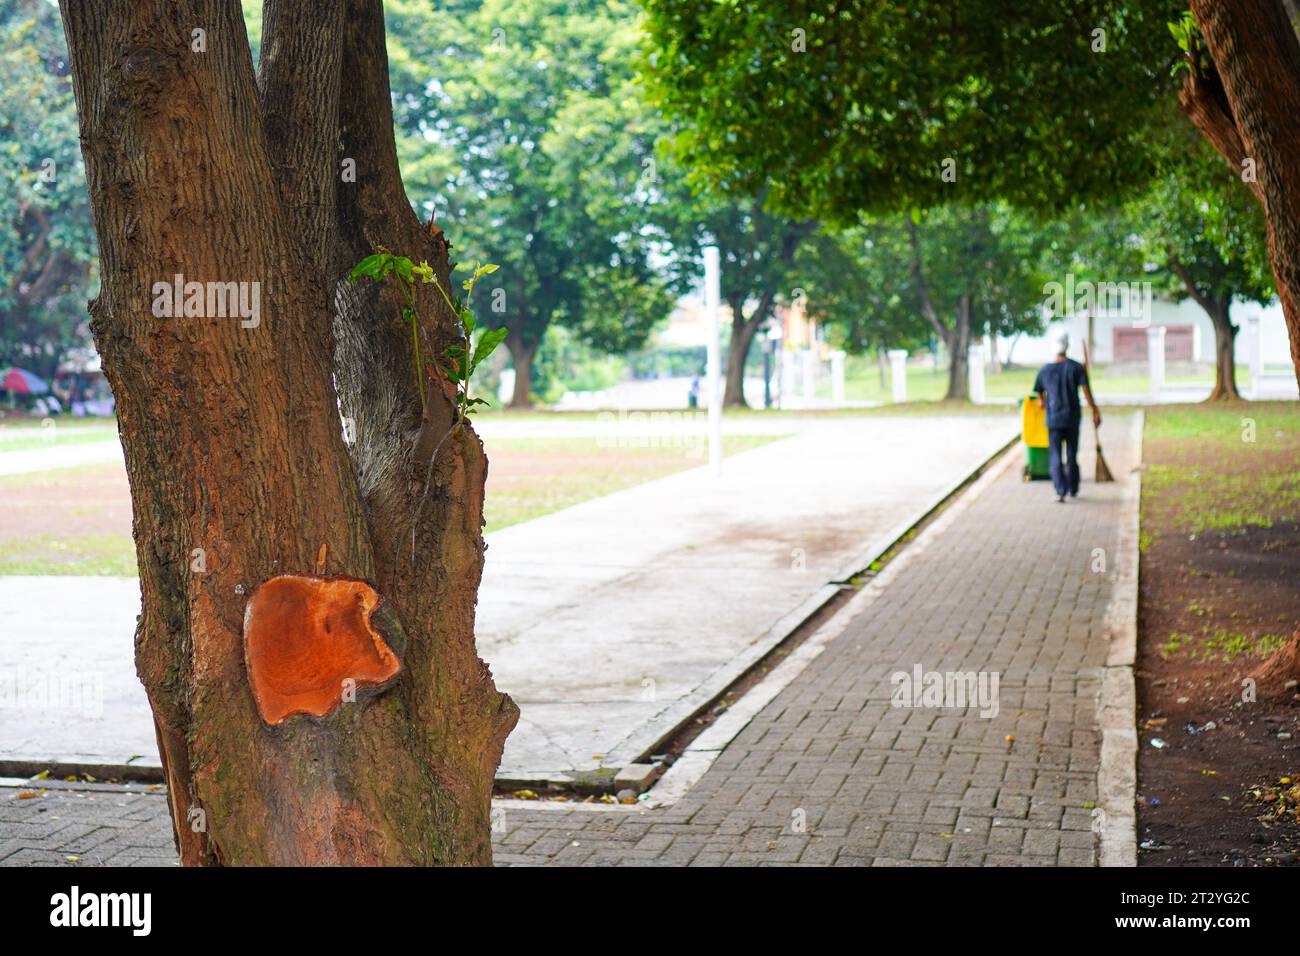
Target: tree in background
{"type": "Point", "coordinates": [1208, 236]}
{"type": "Point", "coordinates": [47, 245]}
{"type": "Point", "coordinates": [758, 250]}
{"type": "Point", "coordinates": [857, 284]}
{"type": "Point", "coordinates": [524, 135]}
{"type": "Point", "coordinates": [976, 270]}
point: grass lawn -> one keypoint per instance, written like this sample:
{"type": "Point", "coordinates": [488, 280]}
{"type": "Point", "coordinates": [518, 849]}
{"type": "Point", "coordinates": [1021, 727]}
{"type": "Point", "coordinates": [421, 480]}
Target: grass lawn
{"type": "Point", "coordinates": [1253, 482]}
{"type": "Point", "coordinates": [531, 477]}
{"type": "Point", "coordinates": [25, 434]}
{"type": "Point", "coordinates": [78, 520]}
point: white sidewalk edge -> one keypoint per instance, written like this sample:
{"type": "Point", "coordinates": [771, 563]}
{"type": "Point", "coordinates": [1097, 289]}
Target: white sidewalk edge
{"type": "Point", "coordinates": [1117, 705]}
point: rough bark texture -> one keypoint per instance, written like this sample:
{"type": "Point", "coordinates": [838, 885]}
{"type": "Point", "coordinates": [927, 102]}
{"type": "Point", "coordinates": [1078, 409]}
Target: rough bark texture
{"type": "Point", "coordinates": [233, 438]}
{"type": "Point", "coordinates": [1245, 104]}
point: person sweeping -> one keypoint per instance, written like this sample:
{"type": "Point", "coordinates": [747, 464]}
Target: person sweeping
{"type": "Point", "coordinates": [1057, 386]}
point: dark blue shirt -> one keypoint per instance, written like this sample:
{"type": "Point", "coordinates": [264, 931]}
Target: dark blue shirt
{"type": "Point", "coordinates": [1060, 381]}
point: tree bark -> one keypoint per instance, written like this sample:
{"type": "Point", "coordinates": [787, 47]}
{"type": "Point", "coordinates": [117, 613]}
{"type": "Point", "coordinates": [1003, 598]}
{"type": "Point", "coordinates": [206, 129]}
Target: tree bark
{"type": "Point", "coordinates": [742, 337]}
{"type": "Point", "coordinates": [235, 449]}
{"type": "Point", "coordinates": [1225, 363]}
{"type": "Point", "coordinates": [958, 342]}
{"type": "Point", "coordinates": [1225, 333]}
{"type": "Point", "coordinates": [1246, 108]}
{"type": "Point", "coordinates": [521, 355]}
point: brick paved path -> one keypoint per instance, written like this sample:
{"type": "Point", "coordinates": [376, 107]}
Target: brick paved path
{"type": "Point", "coordinates": [829, 772]}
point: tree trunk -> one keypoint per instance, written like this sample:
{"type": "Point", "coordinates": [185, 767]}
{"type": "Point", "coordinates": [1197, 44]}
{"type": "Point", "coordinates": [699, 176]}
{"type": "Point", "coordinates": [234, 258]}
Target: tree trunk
{"type": "Point", "coordinates": [521, 356]}
{"type": "Point", "coordinates": [958, 343]}
{"type": "Point", "coordinates": [1246, 109]}
{"type": "Point", "coordinates": [234, 446]}
{"type": "Point", "coordinates": [1225, 364]}
{"type": "Point", "coordinates": [742, 336]}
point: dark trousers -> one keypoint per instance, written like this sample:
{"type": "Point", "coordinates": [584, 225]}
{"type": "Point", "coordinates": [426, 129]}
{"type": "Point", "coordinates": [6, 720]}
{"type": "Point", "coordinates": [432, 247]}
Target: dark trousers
{"type": "Point", "coordinates": [1065, 474]}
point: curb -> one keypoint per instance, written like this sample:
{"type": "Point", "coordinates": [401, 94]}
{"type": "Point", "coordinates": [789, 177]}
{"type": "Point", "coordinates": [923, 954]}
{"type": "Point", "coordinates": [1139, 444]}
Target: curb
{"type": "Point", "coordinates": [1117, 705]}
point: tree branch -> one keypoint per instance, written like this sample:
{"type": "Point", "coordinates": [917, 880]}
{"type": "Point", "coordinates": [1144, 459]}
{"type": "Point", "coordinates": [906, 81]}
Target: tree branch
{"type": "Point", "coordinates": [298, 83]}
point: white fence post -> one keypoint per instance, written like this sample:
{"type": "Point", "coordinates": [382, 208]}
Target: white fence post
{"type": "Point", "coordinates": [898, 373]}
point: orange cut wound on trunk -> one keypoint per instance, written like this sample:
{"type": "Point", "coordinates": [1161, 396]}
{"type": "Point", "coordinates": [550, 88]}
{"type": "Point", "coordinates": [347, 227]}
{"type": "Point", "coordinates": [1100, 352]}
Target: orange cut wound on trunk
{"type": "Point", "coordinates": [306, 638]}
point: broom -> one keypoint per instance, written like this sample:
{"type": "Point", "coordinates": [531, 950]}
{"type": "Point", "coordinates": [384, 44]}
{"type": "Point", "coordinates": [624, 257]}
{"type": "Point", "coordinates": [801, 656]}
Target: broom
{"type": "Point", "coordinates": [1103, 470]}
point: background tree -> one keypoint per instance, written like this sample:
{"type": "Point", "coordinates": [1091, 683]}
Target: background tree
{"type": "Point", "coordinates": [858, 106]}
{"type": "Point", "coordinates": [858, 287]}
{"type": "Point", "coordinates": [975, 270]}
{"type": "Point", "coordinates": [47, 246]}
{"type": "Point", "coordinates": [1207, 236]}
{"type": "Point", "coordinates": [758, 250]}
{"type": "Point", "coordinates": [523, 131]}
{"type": "Point", "coordinates": [238, 463]}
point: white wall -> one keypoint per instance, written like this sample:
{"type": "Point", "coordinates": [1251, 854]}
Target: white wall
{"type": "Point", "coordinates": [1035, 350]}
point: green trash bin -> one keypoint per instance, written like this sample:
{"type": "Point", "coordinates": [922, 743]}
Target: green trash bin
{"type": "Point", "coordinates": [1033, 426]}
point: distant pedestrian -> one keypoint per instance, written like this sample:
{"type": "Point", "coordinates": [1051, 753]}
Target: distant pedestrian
{"type": "Point", "coordinates": [1058, 385]}
{"type": "Point", "coordinates": [693, 396]}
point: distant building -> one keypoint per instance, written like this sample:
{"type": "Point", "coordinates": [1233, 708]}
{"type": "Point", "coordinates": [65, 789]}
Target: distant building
{"type": "Point", "coordinates": [1118, 338]}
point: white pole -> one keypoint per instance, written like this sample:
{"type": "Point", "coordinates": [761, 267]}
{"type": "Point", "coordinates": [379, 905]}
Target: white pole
{"type": "Point", "coordinates": [837, 377]}
{"type": "Point", "coordinates": [975, 373]}
{"type": "Point", "coordinates": [1255, 354]}
{"type": "Point", "coordinates": [898, 373]}
{"type": "Point", "coordinates": [1156, 359]}
{"type": "Point", "coordinates": [712, 298]}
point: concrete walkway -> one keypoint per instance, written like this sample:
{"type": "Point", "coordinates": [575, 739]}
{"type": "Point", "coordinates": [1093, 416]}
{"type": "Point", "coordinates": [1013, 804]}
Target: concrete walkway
{"type": "Point", "coordinates": [609, 622]}
{"type": "Point", "coordinates": [829, 771]}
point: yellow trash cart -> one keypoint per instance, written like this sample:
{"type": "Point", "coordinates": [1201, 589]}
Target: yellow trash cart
{"type": "Point", "coordinates": [1033, 424]}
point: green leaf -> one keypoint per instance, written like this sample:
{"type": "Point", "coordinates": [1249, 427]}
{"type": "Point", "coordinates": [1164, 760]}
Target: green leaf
{"type": "Point", "coordinates": [371, 266]}
{"type": "Point", "coordinates": [487, 344]}
{"type": "Point", "coordinates": [471, 323]}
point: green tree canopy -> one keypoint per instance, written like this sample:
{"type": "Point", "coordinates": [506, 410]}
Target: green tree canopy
{"type": "Point", "coordinates": [47, 245]}
{"type": "Point", "coordinates": [521, 132]}
{"type": "Point", "coordinates": [861, 106]}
